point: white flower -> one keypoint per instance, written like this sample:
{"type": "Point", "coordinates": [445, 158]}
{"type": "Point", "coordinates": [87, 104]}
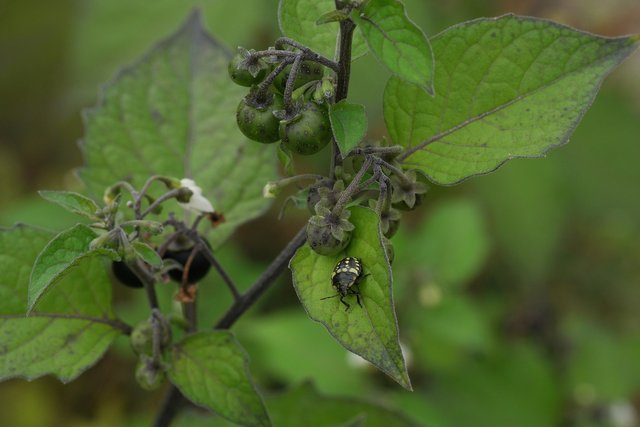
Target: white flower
{"type": "Point", "coordinates": [197, 203]}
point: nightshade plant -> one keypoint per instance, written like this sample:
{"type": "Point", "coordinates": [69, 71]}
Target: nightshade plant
{"type": "Point", "coordinates": [458, 104]}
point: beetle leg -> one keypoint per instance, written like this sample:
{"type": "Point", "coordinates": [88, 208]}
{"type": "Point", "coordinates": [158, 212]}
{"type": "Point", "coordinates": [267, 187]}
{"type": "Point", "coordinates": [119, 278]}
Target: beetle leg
{"type": "Point", "coordinates": [345, 303]}
{"type": "Point", "coordinates": [358, 299]}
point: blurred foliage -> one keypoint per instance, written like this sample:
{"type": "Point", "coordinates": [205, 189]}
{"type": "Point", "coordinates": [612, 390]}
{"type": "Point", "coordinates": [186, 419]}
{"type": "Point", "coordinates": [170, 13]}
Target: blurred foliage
{"type": "Point", "coordinates": [517, 293]}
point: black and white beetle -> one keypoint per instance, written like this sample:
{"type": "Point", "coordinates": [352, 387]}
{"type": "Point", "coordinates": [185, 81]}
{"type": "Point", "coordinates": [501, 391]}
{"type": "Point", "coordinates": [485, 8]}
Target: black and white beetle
{"type": "Point", "coordinates": [345, 278]}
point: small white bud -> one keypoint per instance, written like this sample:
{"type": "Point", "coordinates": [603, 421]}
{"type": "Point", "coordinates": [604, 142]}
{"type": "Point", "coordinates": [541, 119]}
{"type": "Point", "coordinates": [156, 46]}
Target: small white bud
{"type": "Point", "coordinates": [270, 190]}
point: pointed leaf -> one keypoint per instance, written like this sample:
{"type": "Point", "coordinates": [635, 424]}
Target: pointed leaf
{"type": "Point", "coordinates": [73, 202]}
{"type": "Point", "coordinates": [211, 369]}
{"type": "Point", "coordinates": [62, 254]}
{"type": "Point", "coordinates": [298, 18]}
{"type": "Point", "coordinates": [172, 113]}
{"type": "Point", "coordinates": [370, 331]}
{"type": "Point", "coordinates": [397, 42]}
{"type": "Point", "coordinates": [147, 254]}
{"type": "Point", "coordinates": [349, 124]}
{"type": "Point", "coordinates": [506, 87]}
{"type": "Point", "coordinates": [73, 325]}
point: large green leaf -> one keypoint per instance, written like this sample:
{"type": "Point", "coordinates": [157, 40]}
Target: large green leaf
{"type": "Point", "coordinates": [516, 387]}
{"type": "Point", "coordinates": [211, 369]}
{"type": "Point", "coordinates": [305, 406]}
{"type": "Point", "coordinates": [397, 42]}
{"type": "Point", "coordinates": [449, 247]}
{"type": "Point", "coordinates": [370, 331]}
{"type": "Point", "coordinates": [63, 253]}
{"type": "Point", "coordinates": [298, 18]}
{"type": "Point", "coordinates": [73, 324]}
{"type": "Point", "coordinates": [506, 87]}
{"type": "Point", "coordinates": [172, 113]}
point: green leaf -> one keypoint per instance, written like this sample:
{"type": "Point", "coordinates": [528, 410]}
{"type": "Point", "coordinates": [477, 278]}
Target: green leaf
{"type": "Point", "coordinates": [332, 16]}
{"type": "Point", "coordinates": [211, 369]}
{"type": "Point", "coordinates": [305, 406]}
{"type": "Point", "coordinates": [73, 202]}
{"type": "Point", "coordinates": [19, 248]}
{"type": "Point", "coordinates": [297, 19]}
{"type": "Point", "coordinates": [47, 344]}
{"type": "Point", "coordinates": [450, 246]}
{"type": "Point", "coordinates": [73, 325]}
{"type": "Point", "coordinates": [516, 387]}
{"type": "Point", "coordinates": [59, 256]}
{"type": "Point", "coordinates": [370, 331]}
{"type": "Point", "coordinates": [443, 335]}
{"type": "Point", "coordinates": [172, 113]}
{"type": "Point", "coordinates": [349, 124]}
{"type": "Point", "coordinates": [147, 254]}
{"type": "Point", "coordinates": [505, 88]}
{"type": "Point", "coordinates": [397, 42]}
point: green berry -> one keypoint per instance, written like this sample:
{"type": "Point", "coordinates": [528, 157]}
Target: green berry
{"type": "Point", "coordinates": [142, 337]}
{"type": "Point", "coordinates": [256, 120]}
{"type": "Point", "coordinates": [309, 71]}
{"type": "Point", "coordinates": [308, 132]}
{"type": "Point", "coordinates": [243, 77]}
{"type": "Point", "coordinates": [148, 374]}
{"type": "Point", "coordinates": [321, 236]}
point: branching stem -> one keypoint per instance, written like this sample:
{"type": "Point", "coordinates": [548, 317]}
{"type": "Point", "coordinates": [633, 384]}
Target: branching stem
{"type": "Point", "coordinates": [352, 188]}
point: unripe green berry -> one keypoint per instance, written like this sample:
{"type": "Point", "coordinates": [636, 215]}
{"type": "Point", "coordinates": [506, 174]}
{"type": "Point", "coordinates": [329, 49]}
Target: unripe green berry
{"type": "Point", "coordinates": [142, 337]}
{"type": "Point", "coordinates": [255, 117]}
{"type": "Point", "coordinates": [309, 131]}
{"type": "Point", "coordinates": [148, 374]}
{"type": "Point", "coordinates": [243, 77]}
{"type": "Point", "coordinates": [309, 71]}
{"type": "Point", "coordinates": [322, 240]}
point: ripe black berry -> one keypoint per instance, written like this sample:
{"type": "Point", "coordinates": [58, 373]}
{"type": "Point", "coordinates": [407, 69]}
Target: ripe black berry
{"type": "Point", "coordinates": [124, 275]}
{"type": "Point", "coordinates": [197, 270]}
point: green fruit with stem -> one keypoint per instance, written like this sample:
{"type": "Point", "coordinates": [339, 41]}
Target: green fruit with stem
{"type": "Point", "coordinates": [308, 132]}
{"type": "Point", "coordinates": [255, 118]}
{"type": "Point", "coordinates": [309, 71]}
{"type": "Point", "coordinates": [243, 76]}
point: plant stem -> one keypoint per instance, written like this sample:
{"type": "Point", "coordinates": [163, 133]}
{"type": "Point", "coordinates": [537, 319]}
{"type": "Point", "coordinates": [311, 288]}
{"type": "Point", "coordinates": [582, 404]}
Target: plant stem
{"type": "Point", "coordinates": [288, 90]}
{"type": "Point", "coordinates": [307, 53]}
{"type": "Point", "coordinates": [396, 171]}
{"type": "Point", "coordinates": [148, 282]}
{"type": "Point", "coordinates": [263, 282]}
{"type": "Point", "coordinates": [346, 195]}
{"type": "Point", "coordinates": [171, 405]}
{"type": "Point", "coordinates": [208, 254]}
{"type": "Point", "coordinates": [363, 151]}
{"type": "Point", "coordinates": [263, 87]}
{"type": "Point", "coordinates": [344, 54]}
{"type": "Point", "coordinates": [160, 200]}
{"type": "Point", "coordinates": [342, 86]}
{"type": "Point", "coordinates": [174, 400]}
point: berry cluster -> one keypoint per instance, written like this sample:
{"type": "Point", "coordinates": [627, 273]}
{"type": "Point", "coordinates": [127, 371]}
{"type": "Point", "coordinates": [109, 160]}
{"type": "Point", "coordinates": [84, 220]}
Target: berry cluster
{"type": "Point", "coordinates": [290, 87]}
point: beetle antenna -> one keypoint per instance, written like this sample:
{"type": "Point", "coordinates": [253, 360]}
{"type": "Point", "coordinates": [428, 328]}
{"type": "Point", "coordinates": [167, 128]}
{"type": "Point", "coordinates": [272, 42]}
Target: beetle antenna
{"type": "Point", "coordinates": [332, 296]}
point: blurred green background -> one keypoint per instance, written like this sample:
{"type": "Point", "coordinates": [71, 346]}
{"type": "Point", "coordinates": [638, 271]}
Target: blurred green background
{"type": "Point", "coordinates": [517, 293]}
